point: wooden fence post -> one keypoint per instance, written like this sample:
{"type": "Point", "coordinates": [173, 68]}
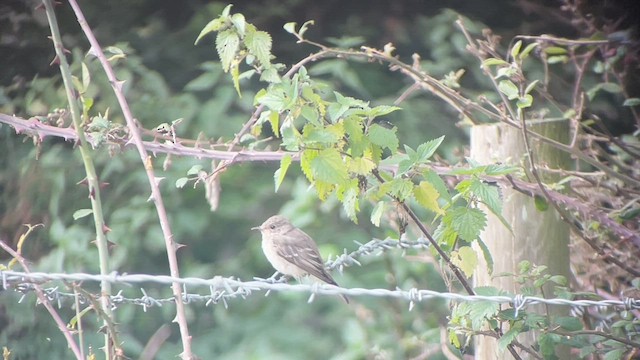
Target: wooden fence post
{"type": "Point", "coordinates": [538, 236]}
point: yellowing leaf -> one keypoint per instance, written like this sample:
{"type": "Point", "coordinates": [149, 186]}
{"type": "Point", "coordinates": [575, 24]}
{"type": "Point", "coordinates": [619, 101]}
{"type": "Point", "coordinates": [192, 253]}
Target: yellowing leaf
{"type": "Point", "coordinates": [282, 171]}
{"type": "Point", "coordinates": [361, 166]}
{"type": "Point", "coordinates": [305, 163]}
{"type": "Point", "coordinates": [427, 196]}
{"type": "Point", "coordinates": [466, 259]}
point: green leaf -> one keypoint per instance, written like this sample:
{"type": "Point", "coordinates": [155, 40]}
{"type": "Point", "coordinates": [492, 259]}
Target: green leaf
{"type": "Point", "coordinates": [466, 259]}
{"type": "Point", "coordinates": [329, 167]}
{"type": "Point", "coordinates": [259, 44]}
{"type": "Point", "coordinates": [274, 120]}
{"type": "Point", "coordinates": [631, 102]}
{"type": "Point", "coordinates": [531, 86]}
{"type": "Point", "coordinates": [278, 176]}
{"type": "Point", "coordinates": [305, 163]}
{"type": "Point", "coordinates": [350, 202]}
{"type": "Point", "coordinates": [305, 27]}
{"type": "Point", "coordinates": [227, 45]}
{"type": "Point", "coordinates": [508, 338]}
{"type": "Point", "coordinates": [515, 50]}
{"type": "Point", "coordinates": [314, 135]}
{"type": "Point", "coordinates": [399, 188]}
{"type": "Point", "coordinates": [508, 88]}
{"type": "Point", "coordinates": [383, 137]}
{"type": "Point", "coordinates": [500, 169]}
{"type": "Point", "coordinates": [239, 23]}
{"type": "Point", "coordinates": [194, 170]}
{"type": "Point", "coordinates": [486, 254]}
{"type": "Point", "coordinates": [525, 53]}
{"type": "Point", "coordinates": [494, 61]}
{"type": "Point", "coordinates": [181, 182]}
{"type": "Point", "coordinates": [377, 213]}
{"type": "Point", "coordinates": [426, 150]}
{"type": "Point", "coordinates": [467, 222]}
{"type": "Point", "coordinates": [480, 311]}
{"type": "Point", "coordinates": [382, 110]}
{"type": "Point", "coordinates": [568, 323]}
{"type": "Point", "coordinates": [78, 214]}
{"type": "Point", "coordinates": [437, 182]}
{"type": "Point", "coordinates": [212, 26]}
{"type": "Point", "coordinates": [427, 196]}
{"type": "Point", "coordinates": [555, 50]}
{"type": "Point", "coordinates": [540, 203]}
{"type": "Point", "coordinates": [361, 165]}
{"type": "Point", "coordinates": [525, 101]}
{"type": "Point", "coordinates": [616, 354]}
{"type": "Point", "coordinates": [290, 27]}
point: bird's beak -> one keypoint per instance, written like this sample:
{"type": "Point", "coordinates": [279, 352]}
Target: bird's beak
{"type": "Point", "coordinates": [256, 228]}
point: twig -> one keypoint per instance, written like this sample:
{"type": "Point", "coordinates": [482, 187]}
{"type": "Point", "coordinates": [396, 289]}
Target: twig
{"type": "Point", "coordinates": [47, 304]}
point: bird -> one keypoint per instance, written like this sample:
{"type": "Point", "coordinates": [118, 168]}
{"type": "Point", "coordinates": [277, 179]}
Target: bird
{"type": "Point", "coordinates": [291, 251]}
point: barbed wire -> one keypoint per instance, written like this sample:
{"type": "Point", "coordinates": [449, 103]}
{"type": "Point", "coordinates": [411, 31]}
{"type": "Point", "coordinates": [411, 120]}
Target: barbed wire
{"type": "Point", "coordinates": [223, 289]}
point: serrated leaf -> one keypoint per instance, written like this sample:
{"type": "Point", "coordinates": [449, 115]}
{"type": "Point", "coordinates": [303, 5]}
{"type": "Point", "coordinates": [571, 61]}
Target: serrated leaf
{"type": "Point", "coordinates": [427, 196]}
{"type": "Point", "coordinates": [240, 23]}
{"type": "Point", "coordinates": [305, 162]}
{"type": "Point", "coordinates": [259, 44]}
{"type": "Point", "coordinates": [508, 88]}
{"type": "Point", "coordinates": [350, 203]}
{"type": "Point", "coordinates": [382, 110]}
{"type": "Point", "coordinates": [274, 120]}
{"type": "Point", "coordinates": [489, 196]}
{"type": "Point", "coordinates": [437, 182]}
{"type": "Point", "coordinates": [426, 150]}
{"type": "Point", "coordinates": [361, 166]}
{"type": "Point", "coordinates": [479, 311]}
{"type": "Point", "coordinates": [466, 259]}
{"type": "Point", "coordinates": [383, 137]}
{"type": "Point", "coordinates": [181, 182]}
{"type": "Point", "coordinates": [467, 222]}
{"type": "Point", "coordinates": [500, 169]}
{"type": "Point", "coordinates": [377, 213]}
{"type": "Point", "coordinates": [279, 175]}
{"type": "Point", "coordinates": [328, 166]}
{"type": "Point", "coordinates": [313, 134]}
{"type": "Point", "coordinates": [399, 188]}
{"type": "Point", "coordinates": [79, 214]}
{"type": "Point", "coordinates": [235, 76]}
{"type": "Point", "coordinates": [227, 45]}
{"type": "Point", "coordinates": [323, 189]}
{"type": "Point", "coordinates": [508, 338]}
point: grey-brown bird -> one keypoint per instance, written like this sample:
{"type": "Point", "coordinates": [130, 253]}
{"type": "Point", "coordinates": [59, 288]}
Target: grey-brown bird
{"type": "Point", "coordinates": [291, 251]}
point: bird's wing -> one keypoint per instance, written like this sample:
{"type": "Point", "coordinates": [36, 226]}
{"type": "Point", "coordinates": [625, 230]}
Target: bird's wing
{"type": "Point", "coordinates": [299, 249]}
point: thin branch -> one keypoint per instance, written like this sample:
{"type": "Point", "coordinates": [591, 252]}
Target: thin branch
{"type": "Point", "coordinates": [156, 195]}
{"type": "Point", "coordinates": [47, 304]}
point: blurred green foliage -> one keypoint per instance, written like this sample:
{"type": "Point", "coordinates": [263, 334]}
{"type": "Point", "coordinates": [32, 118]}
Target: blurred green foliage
{"type": "Point", "coordinates": [168, 78]}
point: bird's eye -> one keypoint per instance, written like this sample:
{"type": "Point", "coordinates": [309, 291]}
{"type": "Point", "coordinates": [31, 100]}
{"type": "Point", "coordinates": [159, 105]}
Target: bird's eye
{"type": "Point", "coordinates": [272, 227]}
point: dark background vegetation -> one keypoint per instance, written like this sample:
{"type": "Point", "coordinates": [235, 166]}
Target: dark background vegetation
{"type": "Point", "coordinates": [169, 78]}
